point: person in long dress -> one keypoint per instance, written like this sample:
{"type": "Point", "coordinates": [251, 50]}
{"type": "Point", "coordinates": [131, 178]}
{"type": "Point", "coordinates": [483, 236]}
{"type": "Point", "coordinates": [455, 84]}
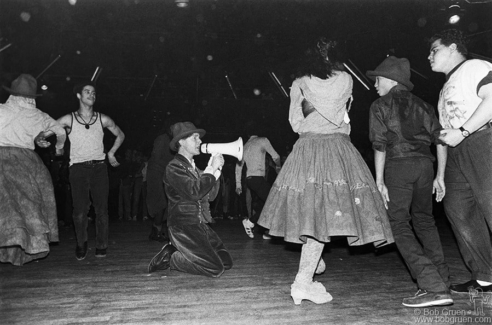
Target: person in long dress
{"type": "Point", "coordinates": [325, 188]}
{"type": "Point", "coordinates": [28, 219]}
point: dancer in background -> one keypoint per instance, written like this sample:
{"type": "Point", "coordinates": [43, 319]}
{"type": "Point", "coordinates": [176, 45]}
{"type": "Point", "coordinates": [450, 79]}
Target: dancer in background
{"type": "Point", "coordinates": [255, 150]}
{"type": "Point", "coordinates": [324, 188]}
{"type": "Point", "coordinates": [156, 196]}
{"type": "Point", "coordinates": [28, 218]}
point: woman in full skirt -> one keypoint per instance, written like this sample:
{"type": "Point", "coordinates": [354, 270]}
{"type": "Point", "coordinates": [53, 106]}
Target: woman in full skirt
{"type": "Point", "coordinates": [325, 188]}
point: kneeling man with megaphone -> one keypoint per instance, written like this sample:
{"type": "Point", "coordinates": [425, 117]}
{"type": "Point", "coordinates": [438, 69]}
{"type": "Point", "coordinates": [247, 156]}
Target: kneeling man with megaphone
{"type": "Point", "coordinates": [195, 248]}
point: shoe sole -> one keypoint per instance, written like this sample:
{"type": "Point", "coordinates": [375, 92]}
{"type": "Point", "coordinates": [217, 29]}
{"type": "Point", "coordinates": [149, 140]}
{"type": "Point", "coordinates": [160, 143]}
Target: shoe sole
{"type": "Point", "coordinates": [250, 235]}
{"type": "Point", "coordinates": [298, 298]}
{"type": "Point", "coordinates": [81, 258]}
{"type": "Point", "coordinates": [153, 258]}
{"type": "Point", "coordinates": [249, 231]}
{"type": "Point", "coordinates": [441, 302]}
{"type": "Point", "coordinates": [459, 292]}
{"type": "Point", "coordinates": [468, 292]}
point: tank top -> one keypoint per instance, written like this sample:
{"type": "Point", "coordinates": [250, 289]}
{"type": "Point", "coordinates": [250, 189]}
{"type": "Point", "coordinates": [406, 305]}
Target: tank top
{"type": "Point", "coordinates": [86, 143]}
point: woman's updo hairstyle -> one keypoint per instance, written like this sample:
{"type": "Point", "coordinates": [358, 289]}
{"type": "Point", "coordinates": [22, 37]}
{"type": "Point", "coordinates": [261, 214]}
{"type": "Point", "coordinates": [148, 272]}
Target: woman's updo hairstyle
{"type": "Point", "coordinates": [321, 59]}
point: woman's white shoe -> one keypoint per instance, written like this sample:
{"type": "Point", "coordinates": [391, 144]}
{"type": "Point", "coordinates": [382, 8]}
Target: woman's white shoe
{"type": "Point", "coordinates": [313, 291]}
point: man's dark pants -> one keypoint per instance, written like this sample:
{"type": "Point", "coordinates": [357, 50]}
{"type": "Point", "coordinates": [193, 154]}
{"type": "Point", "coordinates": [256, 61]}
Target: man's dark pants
{"type": "Point", "coordinates": [468, 201]}
{"type": "Point", "coordinates": [409, 182]}
{"type": "Point", "coordinates": [200, 251]}
{"type": "Point", "coordinates": [156, 196]}
{"type": "Point", "coordinates": [90, 181]}
{"type": "Point", "coordinates": [259, 186]}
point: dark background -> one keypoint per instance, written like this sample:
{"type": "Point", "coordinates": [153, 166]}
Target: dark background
{"type": "Point", "coordinates": [157, 60]}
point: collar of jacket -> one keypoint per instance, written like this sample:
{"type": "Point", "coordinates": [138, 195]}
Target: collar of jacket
{"type": "Point", "coordinates": [187, 164]}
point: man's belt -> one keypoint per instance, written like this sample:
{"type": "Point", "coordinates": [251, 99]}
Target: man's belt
{"type": "Point", "coordinates": [249, 177]}
{"type": "Point", "coordinates": [91, 162]}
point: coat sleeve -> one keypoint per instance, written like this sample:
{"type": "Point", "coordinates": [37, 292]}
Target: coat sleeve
{"type": "Point", "coordinates": [188, 186]}
{"type": "Point", "coordinates": [377, 128]}
{"type": "Point", "coordinates": [214, 191]}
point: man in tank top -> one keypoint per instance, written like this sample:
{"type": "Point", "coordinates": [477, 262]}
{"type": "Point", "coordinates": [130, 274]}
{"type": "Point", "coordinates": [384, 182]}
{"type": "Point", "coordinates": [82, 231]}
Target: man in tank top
{"type": "Point", "coordinates": [88, 170]}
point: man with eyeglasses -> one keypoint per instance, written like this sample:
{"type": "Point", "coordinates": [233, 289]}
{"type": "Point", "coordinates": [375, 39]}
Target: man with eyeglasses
{"type": "Point", "coordinates": [465, 112]}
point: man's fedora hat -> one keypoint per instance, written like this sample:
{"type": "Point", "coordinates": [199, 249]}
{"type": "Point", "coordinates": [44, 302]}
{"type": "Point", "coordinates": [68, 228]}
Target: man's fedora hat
{"type": "Point", "coordinates": [395, 69]}
{"type": "Point", "coordinates": [182, 130]}
{"type": "Point", "coordinates": [25, 85]}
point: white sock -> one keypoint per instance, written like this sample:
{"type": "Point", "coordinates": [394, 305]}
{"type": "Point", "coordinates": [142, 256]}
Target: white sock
{"type": "Point", "coordinates": [310, 257]}
{"type": "Point", "coordinates": [484, 283]}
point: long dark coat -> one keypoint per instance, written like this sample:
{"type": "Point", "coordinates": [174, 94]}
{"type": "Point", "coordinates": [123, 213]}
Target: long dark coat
{"type": "Point", "coordinates": [200, 250]}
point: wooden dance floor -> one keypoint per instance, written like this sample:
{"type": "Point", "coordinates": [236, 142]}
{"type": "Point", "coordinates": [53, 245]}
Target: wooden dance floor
{"type": "Point", "coordinates": [367, 285]}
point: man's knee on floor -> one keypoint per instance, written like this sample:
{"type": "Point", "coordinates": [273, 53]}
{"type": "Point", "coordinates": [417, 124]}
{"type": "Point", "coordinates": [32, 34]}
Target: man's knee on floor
{"type": "Point", "coordinates": [226, 259]}
{"type": "Point", "coordinates": [216, 271]}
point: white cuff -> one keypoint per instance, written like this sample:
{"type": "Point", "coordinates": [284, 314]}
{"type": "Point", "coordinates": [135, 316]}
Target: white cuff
{"type": "Point", "coordinates": [210, 170]}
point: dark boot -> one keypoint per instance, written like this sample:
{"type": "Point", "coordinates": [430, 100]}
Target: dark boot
{"type": "Point", "coordinates": [81, 252]}
{"type": "Point", "coordinates": [163, 259]}
{"type": "Point", "coordinates": [159, 236]}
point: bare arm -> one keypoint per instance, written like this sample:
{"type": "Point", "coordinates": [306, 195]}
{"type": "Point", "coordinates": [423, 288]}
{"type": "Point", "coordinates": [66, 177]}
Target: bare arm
{"type": "Point", "coordinates": [66, 121]}
{"type": "Point", "coordinates": [108, 123]}
{"type": "Point", "coordinates": [439, 186]}
{"type": "Point", "coordinates": [54, 128]}
{"type": "Point", "coordinates": [239, 170]}
{"type": "Point", "coordinates": [379, 162]}
{"type": "Point", "coordinates": [275, 156]}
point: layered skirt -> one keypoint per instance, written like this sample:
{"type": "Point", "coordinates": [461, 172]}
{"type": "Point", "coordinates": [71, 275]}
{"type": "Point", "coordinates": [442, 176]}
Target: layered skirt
{"type": "Point", "coordinates": [28, 219]}
{"type": "Point", "coordinates": [325, 189]}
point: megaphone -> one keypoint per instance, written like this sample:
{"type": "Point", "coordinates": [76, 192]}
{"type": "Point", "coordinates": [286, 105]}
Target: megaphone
{"type": "Point", "coordinates": [234, 149]}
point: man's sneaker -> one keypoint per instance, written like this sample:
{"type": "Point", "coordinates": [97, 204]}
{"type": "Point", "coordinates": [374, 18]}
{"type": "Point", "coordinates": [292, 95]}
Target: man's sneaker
{"type": "Point", "coordinates": [470, 285]}
{"type": "Point", "coordinates": [100, 252]}
{"type": "Point", "coordinates": [248, 227]}
{"type": "Point", "coordinates": [81, 252]}
{"type": "Point", "coordinates": [425, 299]}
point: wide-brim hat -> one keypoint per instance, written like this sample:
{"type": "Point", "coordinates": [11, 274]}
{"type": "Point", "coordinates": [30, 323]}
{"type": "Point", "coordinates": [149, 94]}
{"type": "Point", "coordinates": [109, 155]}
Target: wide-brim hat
{"type": "Point", "coordinates": [395, 69]}
{"type": "Point", "coordinates": [25, 85]}
{"type": "Point", "coordinates": [182, 130]}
